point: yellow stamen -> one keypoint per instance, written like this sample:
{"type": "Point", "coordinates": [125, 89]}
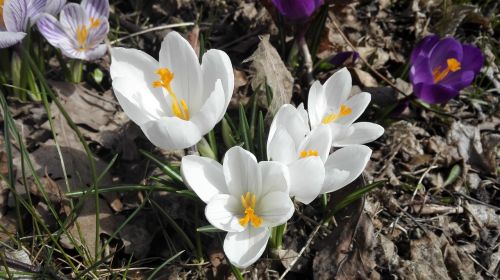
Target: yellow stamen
{"type": "Point", "coordinates": [94, 22]}
{"type": "Point", "coordinates": [179, 109]}
{"type": "Point", "coordinates": [309, 153]}
{"type": "Point", "coordinates": [1, 13]}
{"type": "Point", "coordinates": [81, 36]}
{"type": "Point", "coordinates": [248, 202]}
{"type": "Point", "coordinates": [344, 111]}
{"type": "Point", "coordinates": [452, 65]}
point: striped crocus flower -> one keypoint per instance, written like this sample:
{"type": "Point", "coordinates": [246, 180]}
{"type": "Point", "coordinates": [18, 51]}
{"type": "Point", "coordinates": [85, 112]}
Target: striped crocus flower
{"type": "Point", "coordinates": [15, 18]}
{"type": "Point", "coordinates": [80, 31]}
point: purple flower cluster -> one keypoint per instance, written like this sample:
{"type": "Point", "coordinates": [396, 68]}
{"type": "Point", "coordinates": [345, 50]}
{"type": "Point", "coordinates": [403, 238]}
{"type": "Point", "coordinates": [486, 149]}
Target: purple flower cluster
{"type": "Point", "coordinates": [440, 68]}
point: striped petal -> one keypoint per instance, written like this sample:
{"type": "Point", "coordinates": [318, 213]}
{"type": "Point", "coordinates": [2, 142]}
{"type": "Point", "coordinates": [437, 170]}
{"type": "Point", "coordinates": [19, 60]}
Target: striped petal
{"type": "Point", "coordinates": [8, 39]}
{"type": "Point", "coordinates": [96, 8]}
{"type": "Point", "coordinates": [15, 15]}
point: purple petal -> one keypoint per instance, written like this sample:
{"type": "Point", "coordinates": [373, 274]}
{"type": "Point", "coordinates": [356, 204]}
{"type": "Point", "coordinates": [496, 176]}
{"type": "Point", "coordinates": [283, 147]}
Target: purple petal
{"type": "Point", "coordinates": [424, 47]}
{"type": "Point", "coordinates": [54, 7]}
{"type": "Point", "coordinates": [15, 15]}
{"type": "Point", "coordinates": [458, 80]}
{"type": "Point", "coordinates": [434, 93]}
{"type": "Point", "coordinates": [53, 32]}
{"type": "Point", "coordinates": [445, 49]}
{"type": "Point", "coordinates": [8, 39]}
{"type": "Point", "coordinates": [96, 8]}
{"type": "Point", "coordinates": [295, 10]}
{"type": "Point", "coordinates": [473, 59]}
{"type": "Point", "coordinates": [420, 71]}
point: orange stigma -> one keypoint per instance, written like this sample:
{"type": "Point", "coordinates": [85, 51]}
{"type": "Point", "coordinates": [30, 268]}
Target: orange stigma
{"type": "Point", "coordinates": [344, 111]}
{"type": "Point", "coordinates": [452, 65]}
{"type": "Point", "coordinates": [179, 109]}
{"type": "Point", "coordinates": [248, 202]}
{"type": "Point", "coordinates": [309, 153]}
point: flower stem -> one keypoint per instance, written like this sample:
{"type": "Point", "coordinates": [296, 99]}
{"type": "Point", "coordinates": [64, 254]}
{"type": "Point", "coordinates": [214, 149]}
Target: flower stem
{"type": "Point", "coordinates": [199, 251]}
{"type": "Point", "coordinates": [277, 236]}
{"type": "Point", "coordinates": [236, 272]}
{"type": "Point", "coordinates": [301, 41]}
{"type": "Point", "coordinates": [76, 71]}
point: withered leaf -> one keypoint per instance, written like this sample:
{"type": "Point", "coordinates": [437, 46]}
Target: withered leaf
{"type": "Point", "coordinates": [269, 69]}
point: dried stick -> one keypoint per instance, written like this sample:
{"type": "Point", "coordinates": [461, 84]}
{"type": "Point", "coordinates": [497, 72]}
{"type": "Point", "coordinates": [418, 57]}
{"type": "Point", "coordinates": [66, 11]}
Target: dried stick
{"type": "Point", "coordinates": [308, 243]}
{"type": "Point", "coordinates": [151, 30]}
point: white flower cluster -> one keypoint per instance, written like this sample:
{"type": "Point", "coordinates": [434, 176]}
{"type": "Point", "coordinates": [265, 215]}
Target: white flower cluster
{"type": "Point", "coordinates": [176, 101]}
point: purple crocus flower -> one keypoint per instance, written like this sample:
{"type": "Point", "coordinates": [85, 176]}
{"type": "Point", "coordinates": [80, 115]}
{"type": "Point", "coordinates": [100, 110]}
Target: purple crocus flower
{"type": "Point", "coordinates": [297, 10]}
{"type": "Point", "coordinates": [15, 16]}
{"type": "Point", "coordinates": [80, 31]}
{"type": "Point", "coordinates": [440, 68]}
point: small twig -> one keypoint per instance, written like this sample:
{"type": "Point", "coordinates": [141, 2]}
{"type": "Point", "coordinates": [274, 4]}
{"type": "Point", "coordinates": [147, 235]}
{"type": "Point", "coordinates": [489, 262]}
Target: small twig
{"type": "Point", "coordinates": [364, 60]}
{"type": "Point", "coordinates": [414, 220]}
{"type": "Point", "coordinates": [168, 26]}
{"type": "Point", "coordinates": [477, 201]}
{"type": "Point", "coordinates": [482, 267]}
{"type": "Point", "coordinates": [308, 243]}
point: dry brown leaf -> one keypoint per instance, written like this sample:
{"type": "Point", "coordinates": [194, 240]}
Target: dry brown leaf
{"type": "Point", "coordinates": [4, 187]}
{"type": "Point", "coordinates": [347, 253]}
{"type": "Point", "coordinates": [84, 228]}
{"type": "Point", "coordinates": [268, 68]}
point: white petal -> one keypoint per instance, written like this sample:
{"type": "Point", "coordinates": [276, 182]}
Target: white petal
{"type": "Point", "coordinates": [223, 212]}
{"type": "Point", "coordinates": [291, 120]}
{"type": "Point", "coordinates": [241, 172]}
{"type": "Point", "coordinates": [316, 103]}
{"type": "Point", "coordinates": [275, 177]}
{"type": "Point", "coordinates": [244, 248]}
{"type": "Point", "coordinates": [306, 178]}
{"type": "Point", "coordinates": [216, 65]}
{"type": "Point", "coordinates": [204, 176]}
{"type": "Point", "coordinates": [345, 165]}
{"type": "Point", "coordinates": [339, 131]}
{"type": "Point", "coordinates": [139, 68]}
{"type": "Point", "coordinates": [303, 114]}
{"type": "Point", "coordinates": [320, 139]}
{"type": "Point", "coordinates": [212, 111]}
{"type": "Point", "coordinates": [139, 106]}
{"type": "Point", "coordinates": [8, 39]}
{"type": "Point", "coordinates": [358, 104]}
{"type": "Point", "coordinates": [282, 147]}
{"type": "Point", "coordinates": [337, 89]}
{"type": "Point", "coordinates": [275, 208]}
{"type": "Point", "coordinates": [178, 56]}
{"type": "Point", "coordinates": [362, 133]}
{"type": "Point", "coordinates": [172, 133]}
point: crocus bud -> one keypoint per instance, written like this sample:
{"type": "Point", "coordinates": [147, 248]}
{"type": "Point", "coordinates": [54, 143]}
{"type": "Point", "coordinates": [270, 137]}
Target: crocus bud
{"type": "Point", "coordinates": [297, 10]}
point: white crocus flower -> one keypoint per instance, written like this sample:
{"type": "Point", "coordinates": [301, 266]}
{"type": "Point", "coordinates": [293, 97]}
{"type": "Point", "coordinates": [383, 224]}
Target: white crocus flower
{"type": "Point", "coordinates": [305, 152]}
{"type": "Point", "coordinates": [329, 104]}
{"type": "Point", "coordinates": [175, 101]}
{"type": "Point", "coordinates": [243, 197]}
